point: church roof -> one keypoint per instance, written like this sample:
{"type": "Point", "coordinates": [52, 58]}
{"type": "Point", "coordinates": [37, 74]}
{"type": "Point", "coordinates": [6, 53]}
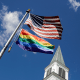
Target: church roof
{"type": "Point", "coordinates": [58, 56]}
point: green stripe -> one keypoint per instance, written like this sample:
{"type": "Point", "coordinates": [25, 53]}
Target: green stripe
{"type": "Point", "coordinates": [35, 42]}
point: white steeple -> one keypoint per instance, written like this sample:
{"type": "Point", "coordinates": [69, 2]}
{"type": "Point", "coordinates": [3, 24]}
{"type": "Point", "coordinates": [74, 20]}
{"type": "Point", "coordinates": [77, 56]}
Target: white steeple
{"type": "Point", "coordinates": [58, 56]}
{"type": "Point", "coordinates": [56, 70]}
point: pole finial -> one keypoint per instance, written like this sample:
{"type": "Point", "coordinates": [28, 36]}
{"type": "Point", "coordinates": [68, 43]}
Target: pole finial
{"type": "Point", "coordinates": [28, 10]}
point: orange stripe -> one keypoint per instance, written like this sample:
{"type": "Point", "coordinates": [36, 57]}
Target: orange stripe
{"type": "Point", "coordinates": [24, 32]}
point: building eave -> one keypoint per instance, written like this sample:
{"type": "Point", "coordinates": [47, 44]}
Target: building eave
{"type": "Point", "coordinates": [58, 63]}
{"type": "Point", "coordinates": [54, 74]}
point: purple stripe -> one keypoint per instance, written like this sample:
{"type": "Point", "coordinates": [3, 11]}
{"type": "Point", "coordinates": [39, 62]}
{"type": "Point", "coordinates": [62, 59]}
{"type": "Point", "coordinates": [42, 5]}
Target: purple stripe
{"type": "Point", "coordinates": [33, 49]}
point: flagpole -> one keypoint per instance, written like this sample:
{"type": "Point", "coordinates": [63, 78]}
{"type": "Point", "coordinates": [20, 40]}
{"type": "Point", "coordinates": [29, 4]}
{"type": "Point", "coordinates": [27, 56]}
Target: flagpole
{"type": "Point", "coordinates": [9, 40]}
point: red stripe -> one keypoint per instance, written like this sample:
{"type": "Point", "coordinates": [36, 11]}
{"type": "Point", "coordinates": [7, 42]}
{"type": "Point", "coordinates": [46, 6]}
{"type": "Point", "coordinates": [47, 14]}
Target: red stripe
{"type": "Point", "coordinates": [42, 29]}
{"type": "Point", "coordinates": [30, 22]}
{"type": "Point", "coordinates": [24, 32]}
{"type": "Point", "coordinates": [52, 27]}
{"type": "Point", "coordinates": [53, 24]}
{"type": "Point", "coordinates": [51, 37]}
{"type": "Point", "coordinates": [48, 33]}
{"type": "Point", "coordinates": [52, 17]}
{"type": "Point", "coordinates": [47, 30]}
{"type": "Point", "coordinates": [51, 20]}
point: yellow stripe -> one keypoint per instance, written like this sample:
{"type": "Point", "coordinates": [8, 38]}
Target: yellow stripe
{"type": "Point", "coordinates": [30, 37]}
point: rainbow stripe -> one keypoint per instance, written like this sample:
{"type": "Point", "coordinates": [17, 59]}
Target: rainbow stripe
{"type": "Point", "coordinates": [30, 42]}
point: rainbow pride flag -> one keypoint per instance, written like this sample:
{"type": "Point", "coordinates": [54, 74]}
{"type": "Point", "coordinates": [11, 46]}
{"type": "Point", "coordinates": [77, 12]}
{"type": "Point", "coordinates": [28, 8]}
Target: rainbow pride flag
{"type": "Point", "coordinates": [30, 42]}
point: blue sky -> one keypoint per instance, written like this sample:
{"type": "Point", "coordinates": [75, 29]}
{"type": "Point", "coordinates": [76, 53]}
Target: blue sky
{"type": "Point", "coordinates": [25, 65]}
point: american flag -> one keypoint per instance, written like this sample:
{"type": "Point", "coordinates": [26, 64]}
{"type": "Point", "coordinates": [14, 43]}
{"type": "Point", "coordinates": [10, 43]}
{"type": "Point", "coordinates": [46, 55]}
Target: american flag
{"type": "Point", "coordinates": [46, 27]}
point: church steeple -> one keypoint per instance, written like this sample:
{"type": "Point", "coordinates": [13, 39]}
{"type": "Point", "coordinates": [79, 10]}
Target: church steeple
{"type": "Point", "coordinates": [58, 56]}
{"type": "Point", "coordinates": [56, 70]}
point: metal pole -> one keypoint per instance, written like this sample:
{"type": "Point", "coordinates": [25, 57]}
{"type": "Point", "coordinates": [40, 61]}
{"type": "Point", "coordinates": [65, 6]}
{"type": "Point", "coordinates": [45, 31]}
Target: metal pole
{"type": "Point", "coordinates": [9, 40]}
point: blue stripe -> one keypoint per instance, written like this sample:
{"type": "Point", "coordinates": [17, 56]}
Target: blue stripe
{"type": "Point", "coordinates": [33, 47]}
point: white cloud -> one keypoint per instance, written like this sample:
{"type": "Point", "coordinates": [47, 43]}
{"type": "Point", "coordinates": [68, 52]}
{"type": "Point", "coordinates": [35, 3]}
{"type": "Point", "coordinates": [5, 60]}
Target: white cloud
{"type": "Point", "coordinates": [35, 52]}
{"type": "Point", "coordinates": [24, 55]}
{"type": "Point", "coordinates": [74, 4]}
{"type": "Point", "coordinates": [9, 21]}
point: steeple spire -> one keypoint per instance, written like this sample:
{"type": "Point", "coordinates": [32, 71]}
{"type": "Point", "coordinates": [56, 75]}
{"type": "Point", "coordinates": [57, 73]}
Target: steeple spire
{"type": "Point", "coordinates": [56, 70]}
{"type": "Point", "coordinates": [58, 56]}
